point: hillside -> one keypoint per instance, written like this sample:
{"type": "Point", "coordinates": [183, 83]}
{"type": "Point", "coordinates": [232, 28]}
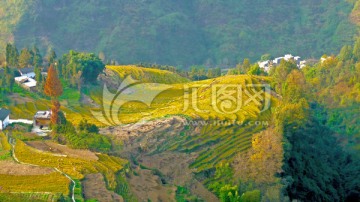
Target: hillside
{"type": "Point", "coordinates": [180, 32]}
{"type": "Point", "coordinates": [147, 74]}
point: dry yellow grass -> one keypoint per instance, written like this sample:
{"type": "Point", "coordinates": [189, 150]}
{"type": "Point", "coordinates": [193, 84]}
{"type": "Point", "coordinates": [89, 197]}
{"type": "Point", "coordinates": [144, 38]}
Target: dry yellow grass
{"type": "Point", "coordinates": [174, 101]}
{"type": "Point", "coordinates": [53, 183]}
{"type": "Point", "coordinates": [75, 167]}
{"type": "Point", "coordinates": [147, 74]}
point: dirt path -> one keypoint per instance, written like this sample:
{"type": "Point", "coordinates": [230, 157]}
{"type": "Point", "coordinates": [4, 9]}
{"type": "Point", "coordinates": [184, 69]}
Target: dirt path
{"type": "Point", "coordinates": [12, 142]}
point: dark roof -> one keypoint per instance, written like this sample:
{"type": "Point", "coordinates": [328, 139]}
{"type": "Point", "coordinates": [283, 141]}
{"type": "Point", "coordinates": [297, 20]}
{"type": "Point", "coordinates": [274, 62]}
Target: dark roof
{"type": "Point", "coordinates": [26, 70]}
{"type": "Point", "coordinates": [4, 113]}
{"type": "Point", "coordinates": [1, 70]}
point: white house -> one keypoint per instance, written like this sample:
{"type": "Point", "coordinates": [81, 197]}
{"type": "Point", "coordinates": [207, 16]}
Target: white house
{"type": "Point", "coordinates": [302, 64]}
{"type": "Point", "coordinates": [27, 71]}
{"type": "Point", "coordinates": [265, 65]}
{"type": "Point", "coordinates": [4, 118]}
{"type": "Point", "coordinates": [26, 82]}
{"type": "Point", "coordinates": [289, 57]}
{"type": "Point", "coordinates": [277, 61]}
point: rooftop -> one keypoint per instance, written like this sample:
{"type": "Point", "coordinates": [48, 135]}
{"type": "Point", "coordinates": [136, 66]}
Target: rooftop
{"type": "Point", "coordinates": [42, 115]}
{"type": "Point", "coordinates": [4, 113]}
{"type": "Point", "coordinates": [21, 78]}
{"type": "Point", "coordinates": [26, 70]}
{"type": "Point", "coordinates": [30, 83]}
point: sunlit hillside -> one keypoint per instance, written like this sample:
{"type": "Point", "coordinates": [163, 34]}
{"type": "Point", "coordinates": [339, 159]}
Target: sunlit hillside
{"type": "Point", "coordinates": [147, 74]}
{"type": "Point", "coordinates": [177, 99]}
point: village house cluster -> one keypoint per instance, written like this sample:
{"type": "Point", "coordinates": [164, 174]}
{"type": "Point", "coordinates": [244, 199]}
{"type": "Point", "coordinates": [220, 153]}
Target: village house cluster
{"type": "Point", "coordinates": [40, 122]}
{"type": "Point", "coordinates": [27, 78]}
{"type": "Point", "coordinates": [266, 65]}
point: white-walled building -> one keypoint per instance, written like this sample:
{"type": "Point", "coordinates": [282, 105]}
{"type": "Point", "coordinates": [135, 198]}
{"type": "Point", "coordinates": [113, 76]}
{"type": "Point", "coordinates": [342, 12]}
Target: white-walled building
{"type": "Point", "coordinates": [300, 63]}
{"type": "Point", "coordinates": [26, 82]}
{"type": "Point", "coordinates": [265, 65]}
{"type": "Point", "coordinates": [4, 118]}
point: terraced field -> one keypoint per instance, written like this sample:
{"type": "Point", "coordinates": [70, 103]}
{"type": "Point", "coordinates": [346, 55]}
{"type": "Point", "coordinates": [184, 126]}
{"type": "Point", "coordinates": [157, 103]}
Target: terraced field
{"type": "Point", "coordinates": [223, 135]}
{"type": "Point", "coordinates": [193, 99]}
{"type": "Point", "coordinates": [147, 74]}
{"type": "Point", "coordinates": [50, 183]}
{"type": "Point", "coordinates": [29, 197]}
{"type": "Point", "coordinates": [28, 183]}
{"type": "Point", "coordinates": [75, 167]}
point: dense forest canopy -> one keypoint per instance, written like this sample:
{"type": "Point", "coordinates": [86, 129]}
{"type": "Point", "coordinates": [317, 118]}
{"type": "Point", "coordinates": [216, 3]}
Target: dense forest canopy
{"type": "Point", "coordinates": [180, 33]}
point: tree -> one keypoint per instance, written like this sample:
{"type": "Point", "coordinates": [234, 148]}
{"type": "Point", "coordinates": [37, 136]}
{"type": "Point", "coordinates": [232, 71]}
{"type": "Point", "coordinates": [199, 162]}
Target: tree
{"type": "Point", "coordinates": [246, 65]}
{"type": "Point", "coordinates": [53, 88]}
{"type": "Point", "coordinates": [51, 57]}
{"type": "Point", "coordinates": [346, 53]}
{"type": "Point", "coordinates": [294, 88]}
{"type": "Point", "coordinates": [255, 70]}
{"type": "Point", "coordinates": [8, 53]}
{"type": "Point", "coordinates": [36, 56]}
{"type": "Point", "coordinates": [12, 55]}
{"type": "Point", "coordinates": [38, 77]}
{"type": "Point", "coordinates": [55, 109]}
{"type": "Point", "coordinates": [238, 69]}
{"type": "Point", "coordinates": [25, 58]}
{"type": "Point", "coordinates": [87, 127]}
{"type": "Point", "coordinates": [356, 50]}
{"type": "Point", "coordinates": [281, 72]}
{"type": "Point", "coordinates": [7, 82]}
{"type": "Point", "coordinates": [88, 64]}
{"type": "Point", "coordinates": [217, 72]}
{"type": "Point", "coordinates": [260, 163]}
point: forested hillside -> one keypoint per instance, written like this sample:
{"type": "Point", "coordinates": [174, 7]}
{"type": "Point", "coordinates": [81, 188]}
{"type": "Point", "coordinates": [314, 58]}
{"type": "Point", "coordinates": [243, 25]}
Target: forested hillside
{"type": "Point", "coordinates": [180, 32]}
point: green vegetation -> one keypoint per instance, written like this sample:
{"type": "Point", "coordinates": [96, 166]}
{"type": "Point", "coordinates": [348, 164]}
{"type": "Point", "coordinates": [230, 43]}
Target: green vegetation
{"type": "Point", "coordinates": [224, 185]}
{"type": "Point", "coordinates": [184, 195]}
{"type": "Point", "coordinates": [7, 83]}
{"type": "Point", "coordinates": [123, 187]}
{"type": "Point", "coordinates": [78, 191]}
{"type": "Point", "coordinates": [177, 33]}
{"type": "Point", "coordinates": [11, 13]}
{"type": "Point", "coordinates": [316, 167]}
{"type": "Point", "coordinates": [335, 85]}
{"type": "Point", "coordinates": [87, 136]}
{"type": "Point", "coordinates": [313, 109]}
{"type": "Point", "coordinates": [329, 174]}
{"type": "Point", "coordinates": [79, 68]}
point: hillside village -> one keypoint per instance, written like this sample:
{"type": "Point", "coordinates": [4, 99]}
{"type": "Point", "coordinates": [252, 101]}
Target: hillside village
{"type": "Point", "coordinates": [266, 65]}
{"type": "Point", "coordinates": [40, 123]}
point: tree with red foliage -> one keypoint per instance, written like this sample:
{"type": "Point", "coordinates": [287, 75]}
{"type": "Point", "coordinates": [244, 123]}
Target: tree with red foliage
{"type": "Point", "coordinates": [53, 88]}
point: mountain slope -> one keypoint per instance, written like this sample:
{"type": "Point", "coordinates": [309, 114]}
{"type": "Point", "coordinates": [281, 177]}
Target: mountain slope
{"type": "Point", "coordinates": [182, 32]}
